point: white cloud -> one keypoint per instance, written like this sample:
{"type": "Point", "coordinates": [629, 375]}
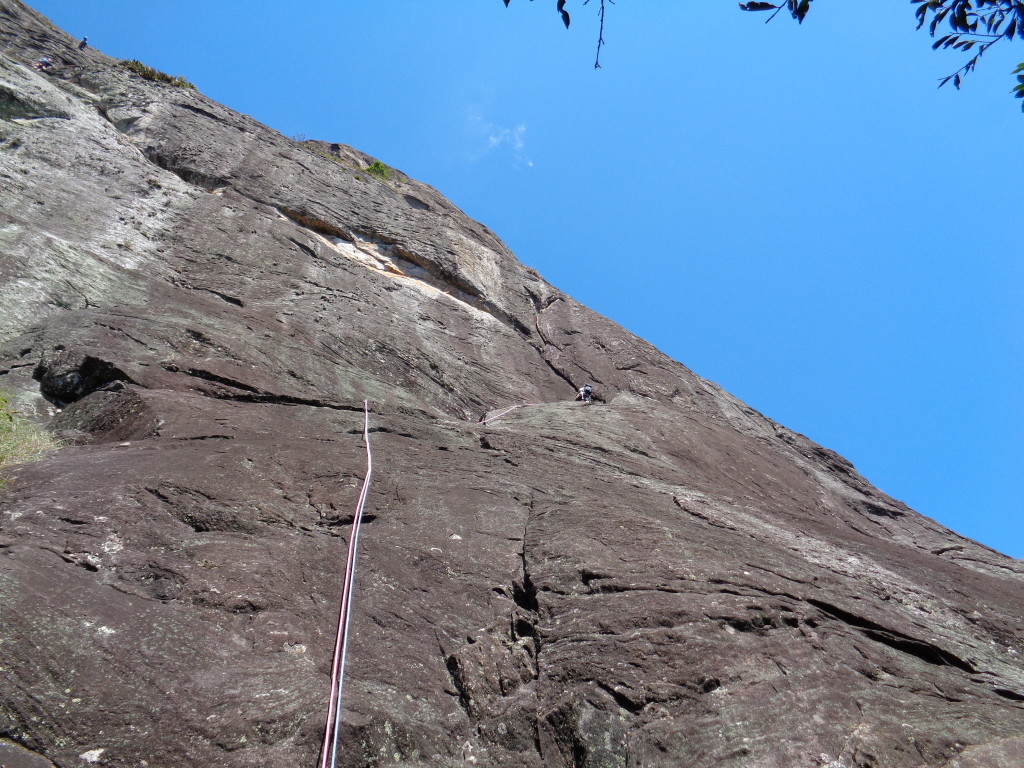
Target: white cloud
{"type": "Point", "coordinates": [497, 138]}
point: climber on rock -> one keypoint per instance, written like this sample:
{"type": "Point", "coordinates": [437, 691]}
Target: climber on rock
{"type": "Point", "coordinates": [44, 64]}
{"type": "Point", "coordinates": [84, 44]}
{"type": "Point", "coordinates": [585, 393]}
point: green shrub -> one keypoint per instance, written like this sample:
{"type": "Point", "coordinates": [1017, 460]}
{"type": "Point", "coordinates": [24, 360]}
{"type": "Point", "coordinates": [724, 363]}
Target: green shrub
{"type": "Point", "coordinates": [20, 440]}
{"type": "Point", "coordinates": [378, 169]}
{"type": "Point", "coordinates": [148, 73]}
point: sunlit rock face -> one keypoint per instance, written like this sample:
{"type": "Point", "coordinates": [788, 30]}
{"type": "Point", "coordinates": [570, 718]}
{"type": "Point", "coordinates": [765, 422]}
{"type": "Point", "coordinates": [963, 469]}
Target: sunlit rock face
{"type": "Point", "coordinates": [663, 577]}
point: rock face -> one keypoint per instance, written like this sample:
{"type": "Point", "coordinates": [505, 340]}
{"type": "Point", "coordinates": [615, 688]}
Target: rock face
{"type": "Point", "coordinates": [663, 578]}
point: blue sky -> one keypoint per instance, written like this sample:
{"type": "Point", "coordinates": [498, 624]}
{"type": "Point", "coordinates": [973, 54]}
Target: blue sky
{"type": "Point", "coordinates": [796, 213]}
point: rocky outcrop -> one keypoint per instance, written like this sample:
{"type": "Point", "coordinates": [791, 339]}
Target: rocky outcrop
{"type": "Point", "coordinates": [664, 578]}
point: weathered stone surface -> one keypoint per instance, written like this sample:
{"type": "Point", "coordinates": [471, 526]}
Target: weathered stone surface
{"type": "Point", "coordinates": [664, 578]}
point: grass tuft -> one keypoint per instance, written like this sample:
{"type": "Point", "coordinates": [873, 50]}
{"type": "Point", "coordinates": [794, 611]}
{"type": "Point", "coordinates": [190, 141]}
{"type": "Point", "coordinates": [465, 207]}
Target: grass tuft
{"type": "Point", "coordinates": [148, 73]}
{"type": "Point", "coordinates": [21, 441]}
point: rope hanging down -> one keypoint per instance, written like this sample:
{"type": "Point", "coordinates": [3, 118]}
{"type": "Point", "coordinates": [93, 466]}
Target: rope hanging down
{"type": "Point", "coordinates": [341, 643]}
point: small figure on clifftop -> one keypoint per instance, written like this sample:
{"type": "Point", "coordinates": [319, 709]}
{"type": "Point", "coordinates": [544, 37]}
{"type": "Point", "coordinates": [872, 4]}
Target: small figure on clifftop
{"type": "Point", "coordinates": [84, 44]}
{"type": "Point", "coordinates": [586, 393]}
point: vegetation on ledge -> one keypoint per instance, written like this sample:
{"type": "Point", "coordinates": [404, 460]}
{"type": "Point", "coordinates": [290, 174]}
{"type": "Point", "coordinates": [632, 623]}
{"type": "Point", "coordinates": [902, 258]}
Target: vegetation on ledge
{"type": "Point", "coordinates": [21, 441]}
{"type": "Point", "coordinates": [148, 73]}
{"type": "Point", "coordinates": [378, 169]}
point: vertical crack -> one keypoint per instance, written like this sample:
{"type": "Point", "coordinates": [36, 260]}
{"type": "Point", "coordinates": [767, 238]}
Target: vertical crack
{"type": "Point", "coordinates": [455, 675]}
{"type": "Point", "coordinates": [528, 615]}
{"type": "Point", "coordinates": [524, 593]}
{"type": "Point", "coordinates": [545, 343]}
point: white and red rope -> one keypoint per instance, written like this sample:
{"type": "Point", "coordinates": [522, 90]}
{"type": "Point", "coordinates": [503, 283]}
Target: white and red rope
{"type": "Point", "coordinates": [329, 753]}
{"type": "Point", "coordinates": [341, 642]}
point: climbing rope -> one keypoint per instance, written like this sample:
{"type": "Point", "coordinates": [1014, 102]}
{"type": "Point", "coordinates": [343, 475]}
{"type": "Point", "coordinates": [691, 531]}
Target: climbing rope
{"type": "Point", "coordinates": [329, 752]}
{"type": "Point", "coordinates": [502, 413]}
{"type": "Point", "coordinates": [341, 642]}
